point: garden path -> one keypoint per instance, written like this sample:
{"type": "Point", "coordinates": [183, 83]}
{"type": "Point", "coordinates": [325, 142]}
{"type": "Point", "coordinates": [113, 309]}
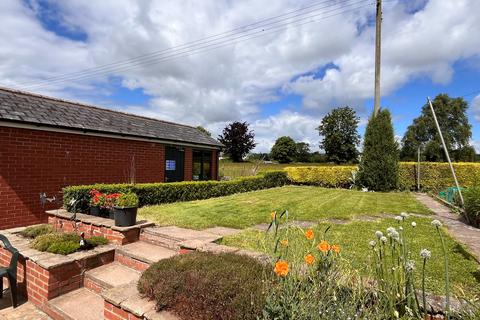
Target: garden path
{"type": "Point", "coordinates": [461, 231]}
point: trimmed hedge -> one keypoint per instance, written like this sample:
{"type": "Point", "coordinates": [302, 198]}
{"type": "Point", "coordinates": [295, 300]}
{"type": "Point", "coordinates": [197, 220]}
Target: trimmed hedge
{"type": "Point", "coordinates": [324, 176]}
{"type": "Point", "coordinates": [76, 198]}
{"type": "Point", "coordinates": [434, 176]}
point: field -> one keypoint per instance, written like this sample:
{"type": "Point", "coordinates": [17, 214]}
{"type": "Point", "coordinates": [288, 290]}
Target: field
{"type": "Point", "coordinates": [233, 170]}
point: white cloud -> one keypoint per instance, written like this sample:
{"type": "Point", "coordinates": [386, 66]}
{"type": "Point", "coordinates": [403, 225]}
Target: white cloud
{"type": "Point", "coordinates": [231, 83]}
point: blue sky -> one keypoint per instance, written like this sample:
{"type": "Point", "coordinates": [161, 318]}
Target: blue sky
{"type": "Point", "coordinates": [282, 83]}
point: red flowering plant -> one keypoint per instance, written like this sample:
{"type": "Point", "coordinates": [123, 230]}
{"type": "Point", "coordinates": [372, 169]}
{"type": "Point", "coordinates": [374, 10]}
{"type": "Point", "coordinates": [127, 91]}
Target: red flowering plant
{"type": "Point", "coordinates": [97, 199]}
{"type": "Point", "coordinates": [111, 199]}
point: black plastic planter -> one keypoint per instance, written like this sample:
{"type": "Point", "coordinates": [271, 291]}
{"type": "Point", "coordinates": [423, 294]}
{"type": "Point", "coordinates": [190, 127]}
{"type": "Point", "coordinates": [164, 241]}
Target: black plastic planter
{"type": "Point", "coordinates": [95, 211]}
{"type": "Point", "coordinates": [125, 217]}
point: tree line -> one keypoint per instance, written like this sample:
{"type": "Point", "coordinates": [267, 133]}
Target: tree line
{"type": "Point", "coordinates": [340, 139]}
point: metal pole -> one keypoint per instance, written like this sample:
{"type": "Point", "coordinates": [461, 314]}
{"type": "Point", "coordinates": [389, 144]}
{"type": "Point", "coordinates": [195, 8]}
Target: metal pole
{"type": "Point", "coordinates": [418, 168]}
{"type": "Point", "coordinates": [378, 56]}
{"type": "Point", "coordinates": [446, 151]}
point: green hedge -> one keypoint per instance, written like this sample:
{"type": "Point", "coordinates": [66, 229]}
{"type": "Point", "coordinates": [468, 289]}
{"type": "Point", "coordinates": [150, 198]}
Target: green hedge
{"type": "Point", "coordinates": [434, 176]}
{"type": "Point", "coordinates": [76, 198]}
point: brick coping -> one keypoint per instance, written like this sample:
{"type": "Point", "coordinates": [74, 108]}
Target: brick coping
{"type": "Point", "coordinates": [48, 260]}
{"type": "Point", "coordinates": [96, 221]}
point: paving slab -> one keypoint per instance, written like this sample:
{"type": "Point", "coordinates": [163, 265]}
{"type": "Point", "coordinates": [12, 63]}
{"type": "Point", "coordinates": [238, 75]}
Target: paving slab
{"type": "Point", "coordinates": [464, 233]}
{"type": "Point", "coordinates": [146, 252]}
{"type": "Point", "coordinates": [113, 275]}
{"type": "Point", "coordinates": [79, 304]}
{"type": "Point", "coordinates": [181, 234]}
{"type": "Point", "coordinates": [223, 231]}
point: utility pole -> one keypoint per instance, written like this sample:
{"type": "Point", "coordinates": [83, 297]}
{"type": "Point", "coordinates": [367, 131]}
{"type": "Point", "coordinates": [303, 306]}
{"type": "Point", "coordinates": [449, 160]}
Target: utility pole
{"type": "Point", "coordinates": [378, 56]}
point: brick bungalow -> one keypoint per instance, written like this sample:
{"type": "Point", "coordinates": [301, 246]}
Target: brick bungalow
{"type": "Point", "coordinates": [48, 143]}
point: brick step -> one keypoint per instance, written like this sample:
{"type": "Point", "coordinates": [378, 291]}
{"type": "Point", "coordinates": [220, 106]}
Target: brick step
{"type": "Point", "coordinates": [81, 304]}
{"type": "Point", "coordinates": [140, 255]}
{"type": "Point", "coordinates": [125, 303]}
{"type": "Point", "coordinates": [109, 276]}
{"type": "Point", "coordinates": [172, 237]}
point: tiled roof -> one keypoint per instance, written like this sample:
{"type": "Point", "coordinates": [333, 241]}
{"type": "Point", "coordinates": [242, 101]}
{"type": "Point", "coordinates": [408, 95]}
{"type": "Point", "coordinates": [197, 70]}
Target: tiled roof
{"type": "Point", "coordinates": [24, 107]}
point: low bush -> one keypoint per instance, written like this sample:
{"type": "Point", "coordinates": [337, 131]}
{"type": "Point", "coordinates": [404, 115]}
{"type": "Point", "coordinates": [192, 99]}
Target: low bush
{"type": "Point", "coordinates": [77, 198]}
{"type": "Point", "coordinates": [38, 230]}
{"type": "Point", "coordinates": [63, 243]}
{"type": "Point", "coordinates": [471, 197]}
{"type": "Point", "coordinates": [206, 286]}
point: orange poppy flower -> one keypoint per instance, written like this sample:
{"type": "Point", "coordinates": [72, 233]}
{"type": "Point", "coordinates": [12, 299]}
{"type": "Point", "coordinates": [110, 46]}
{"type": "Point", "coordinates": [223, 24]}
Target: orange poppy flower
{"type": "Point", "coordinates": [309, 234]}
{"type": "Point", "coordinates": [284, 242]}
{"type": "Point", "coordinates": [336, 248]}
{"type": "Point", "coordinates": [309, 259]}
{"type": "Point", "coordinates": [281, 268]}
{"type": "Point", "coordinates": [273, 214]}
{"type": "Point", "coordinates": [323, 246]}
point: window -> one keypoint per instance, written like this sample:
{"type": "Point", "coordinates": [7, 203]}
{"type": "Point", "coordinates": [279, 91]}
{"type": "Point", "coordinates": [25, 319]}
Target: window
{"type": "Point", "coordinates": [202, 165]}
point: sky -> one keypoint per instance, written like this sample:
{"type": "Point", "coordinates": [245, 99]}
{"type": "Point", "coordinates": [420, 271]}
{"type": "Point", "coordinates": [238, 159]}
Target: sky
{"type": "Point", "coordinates": [280, 67]}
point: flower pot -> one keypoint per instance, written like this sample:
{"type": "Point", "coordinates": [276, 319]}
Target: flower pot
{"type": "Point", "coordinates": [95, 211]}
{"type": "Point", "coordinates": [125, 217]}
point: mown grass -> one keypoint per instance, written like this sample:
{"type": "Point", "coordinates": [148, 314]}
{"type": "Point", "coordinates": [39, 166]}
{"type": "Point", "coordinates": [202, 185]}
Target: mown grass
{"type": "Point", "coordinates": [356, 253]}
{"type": "Point", "coordinates": [303, 202]}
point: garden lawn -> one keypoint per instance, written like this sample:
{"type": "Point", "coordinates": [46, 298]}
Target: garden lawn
{"type": "Point", "coordinates": [356, 254]}
{"type": "Point", "coordinates": [303, 202]}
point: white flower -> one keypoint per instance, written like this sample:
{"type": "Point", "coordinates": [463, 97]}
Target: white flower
{"type": "Point", "coordinates": [384, 239]}
{"type": "Point", "coordinates": [396, 314]}
{"type": "Point", "coordinates": [390, 230]}
{"type": "Point", "coordinates": [395, 235]}
{"type": "Point", "coordinates": [414, 224]}
{"type": "Point", "coordinates": [410, 265]}
{"type": "Point", "coordinates": [379, 234]}
{"type": "Point", "coordinates": [404, 215]}
{"type": "Point", "coordinates": [400, 228]}
{"type": "Point", "coordinates": [436, 223]}
{"type": "Point", "coordinates": [373, 243]}
{"type": "Point", "coordinates": [425, 254]}
{"type": "Point", "coordinates": [398, 218]}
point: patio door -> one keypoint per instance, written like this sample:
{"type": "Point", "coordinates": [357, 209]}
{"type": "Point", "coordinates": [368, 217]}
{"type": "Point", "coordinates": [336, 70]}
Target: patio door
{"type": "Point", "coordinates": [174, 162]}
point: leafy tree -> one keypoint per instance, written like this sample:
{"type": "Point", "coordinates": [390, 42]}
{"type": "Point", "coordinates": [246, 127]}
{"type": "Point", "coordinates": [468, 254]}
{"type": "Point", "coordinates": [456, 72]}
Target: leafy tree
{"type": "Point", "coordinates": [205, 131]}
{"type": "Point", "coordinates": [302, 152]}
{"type": "Point", "coordinates": [238, 140]}
{"type": "Point", "coordinates": [378, 168]}
{"type": "Point", "coordinates": [284, 150]}
{"type": "Point", "coordinates": [340, 136]}
{"type": "Point", "coordinates": [456, 130]}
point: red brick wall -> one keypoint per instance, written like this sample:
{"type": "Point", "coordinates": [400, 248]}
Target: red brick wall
{"type": "Point", "coordinates": [34, 161]}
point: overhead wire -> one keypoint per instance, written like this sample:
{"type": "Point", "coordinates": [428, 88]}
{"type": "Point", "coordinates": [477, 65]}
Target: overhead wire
{"type": "Point", "coordinates": [188, 50]}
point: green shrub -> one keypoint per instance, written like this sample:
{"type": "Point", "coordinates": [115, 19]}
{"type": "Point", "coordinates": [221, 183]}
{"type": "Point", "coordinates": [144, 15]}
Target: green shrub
{"type": "Point", "coordinates": [97, 240]}
{"type": "Point", "coordinates": [63, 243]}
{"type": "Point", "coordinates": [324, 176]}
{"type": "Point", "coordinates": [206, 286]}
{"type": "Point", "coordinates": [77, 198]}
{"type": "Point", "coordinates": [127, 200]}
{"type": "Point", "coordinates": [378, 169]}
{"type": "Point", "coordinates": [434, 176]}
{"type": "Point", "coordinates": [471, 197]}
{"type": "Point", "coordinates": [38, 230]}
